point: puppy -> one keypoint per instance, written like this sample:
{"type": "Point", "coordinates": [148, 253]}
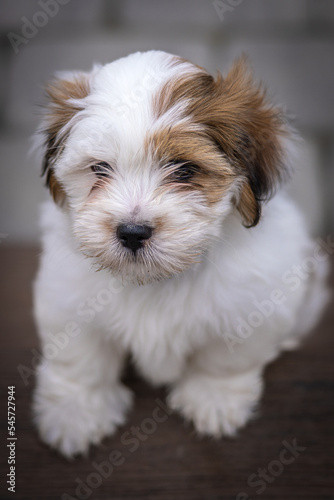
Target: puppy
{"type": "Point", "coordinates": [161, 244]}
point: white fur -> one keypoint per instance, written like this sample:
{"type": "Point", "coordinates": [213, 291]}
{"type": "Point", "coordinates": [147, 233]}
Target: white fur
{"type": "Point", "coordinates": [178, 329]}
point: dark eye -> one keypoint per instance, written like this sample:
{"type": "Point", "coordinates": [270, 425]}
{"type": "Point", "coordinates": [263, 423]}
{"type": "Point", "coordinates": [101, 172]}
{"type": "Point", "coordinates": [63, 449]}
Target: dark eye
{"type": "Point", "coordinates": [184, 172]}
{"type": "Point", "coordinates": [101, 169]}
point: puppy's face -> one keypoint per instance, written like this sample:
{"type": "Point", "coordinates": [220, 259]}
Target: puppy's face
{"type": "Point", "coordinates": [150, 153]}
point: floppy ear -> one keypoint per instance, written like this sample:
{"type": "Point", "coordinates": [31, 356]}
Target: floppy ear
{"type": "Point", "coordinates": [64, 102]}
{"type": "Point", "coordinates": [250, 132]}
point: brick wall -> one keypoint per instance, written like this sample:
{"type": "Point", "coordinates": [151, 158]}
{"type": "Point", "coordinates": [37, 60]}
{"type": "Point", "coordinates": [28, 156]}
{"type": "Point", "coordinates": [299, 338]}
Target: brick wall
{"type": "Point", "coordinates": [290, 44]}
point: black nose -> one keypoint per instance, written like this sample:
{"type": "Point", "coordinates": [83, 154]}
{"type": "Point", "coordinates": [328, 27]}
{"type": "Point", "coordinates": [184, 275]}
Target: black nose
{"type": "Point", "coordinates": [132, 235]}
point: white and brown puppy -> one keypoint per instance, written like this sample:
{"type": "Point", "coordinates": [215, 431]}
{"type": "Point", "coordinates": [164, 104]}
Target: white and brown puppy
{"type": "Point", "coordinates": [160, 175]}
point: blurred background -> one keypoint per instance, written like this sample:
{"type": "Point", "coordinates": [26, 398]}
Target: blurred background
{"type": "Point", "coordinates": [290, 44]}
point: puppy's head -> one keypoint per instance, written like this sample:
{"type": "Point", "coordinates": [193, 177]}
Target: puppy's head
{"type": "Point", "coordinates": [149, 154]}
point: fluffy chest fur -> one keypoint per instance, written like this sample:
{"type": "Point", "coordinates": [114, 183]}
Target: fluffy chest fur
{"type": "Point", "coordinates": [171, 319]}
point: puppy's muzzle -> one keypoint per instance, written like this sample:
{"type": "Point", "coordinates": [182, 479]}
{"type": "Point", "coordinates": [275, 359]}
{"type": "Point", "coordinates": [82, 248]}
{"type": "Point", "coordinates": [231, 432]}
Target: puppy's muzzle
{"type": "Point", "coordinates": [132, 236]}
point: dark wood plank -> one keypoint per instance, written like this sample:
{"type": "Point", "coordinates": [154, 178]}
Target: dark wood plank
{"type": "Point", "coordinates": [172, 462]}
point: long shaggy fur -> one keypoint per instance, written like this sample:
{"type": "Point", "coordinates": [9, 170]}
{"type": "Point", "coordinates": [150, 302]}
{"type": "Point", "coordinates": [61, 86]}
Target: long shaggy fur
{"type": "Point", "coordinates": [210, 296]}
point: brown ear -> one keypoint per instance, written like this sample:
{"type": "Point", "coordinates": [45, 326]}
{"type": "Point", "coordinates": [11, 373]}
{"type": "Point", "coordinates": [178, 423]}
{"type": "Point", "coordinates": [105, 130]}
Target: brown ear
{"type": "Point", "coordinates": [64, 102]}
{"type": "Point", "coordinates": [248, 130]}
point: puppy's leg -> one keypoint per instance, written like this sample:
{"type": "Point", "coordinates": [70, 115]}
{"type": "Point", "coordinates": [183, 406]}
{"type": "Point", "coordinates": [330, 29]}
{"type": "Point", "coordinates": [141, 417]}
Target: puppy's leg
{"type": "Point", "coordinates": [217, 399]}
{"type": "Point", "coordinates": [78, 399]}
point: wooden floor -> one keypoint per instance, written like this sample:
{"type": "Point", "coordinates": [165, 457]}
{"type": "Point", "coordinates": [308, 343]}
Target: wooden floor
{"type": "Point", "coordinates": [167, 460]}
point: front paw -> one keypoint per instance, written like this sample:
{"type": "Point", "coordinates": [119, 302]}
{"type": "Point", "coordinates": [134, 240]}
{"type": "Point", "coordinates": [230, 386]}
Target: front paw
{"type": "Point", "coordinates": [217, 406]}
{"type": "Point", "coordinates": [71, 420]}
